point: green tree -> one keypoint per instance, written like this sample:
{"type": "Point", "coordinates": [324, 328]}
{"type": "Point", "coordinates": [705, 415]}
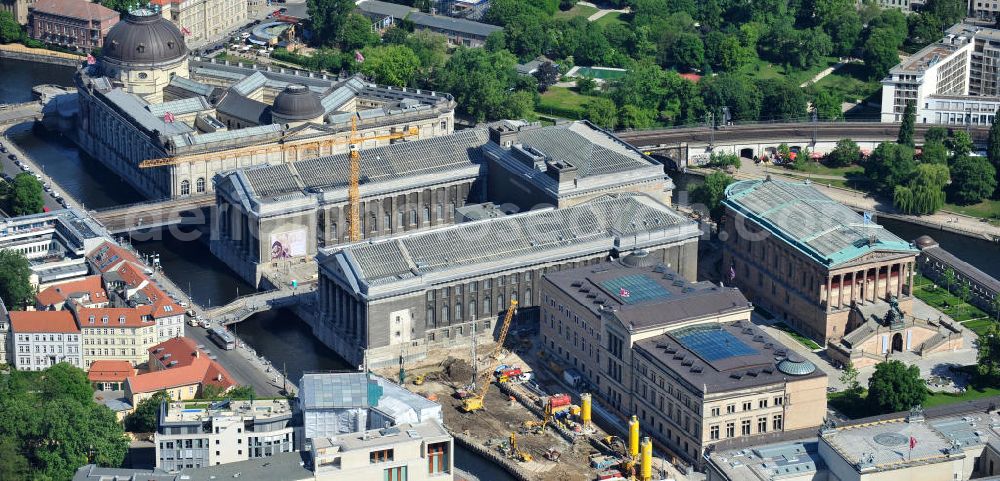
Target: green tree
{"type": "Point", "coordinates": [909, 124]}
{"type": "Point", "coordinates": [880, 52]}
{"type": "Point", "coordinates": [482, 82]}
{"type": "Point", "coordinates": [684, 51]}
{"type": "Point", "coordinates": [934, 152]}
{"type": "Point", "coordinates": [828, 105]}
{"type": "Point", "coordinates": [602, 112]}
{"type": "Point", "coordinates": [947, 12]}
{"type": "Point", "coordinates": [390, 64]}
{"type": "Point", "coordinates": [973, 179]}
{"type": "Point", "coordinates": [889, 165]}
{"type": "Point", "coordinates": [849, 378]}
{"type": "Point", "coordinates": [634, 117]}
{"type": "Point", "coordinates": [327, 18]}
{"type": "Point", "coordinates": [724, 160]}
{"type": "Point", "coordinates": [432, 50]}
{"type": "Point", "coordinates": [965, 294]}
{"type": "Point", "coordinates": [13, 464]}
{"type": "Point", "coordinates": [781, 100]}
{"type": "Point", "coordinates": [65, 381]}
{"type": "Point", "coordinates": [936, 134]}
{"type": "Point", "coordinates": [586, 85]}
{"type": "Point", "coordinates": [960, 144]}
{"type": "Point", "coordinates": [15, 280]}
{"type": "Point", "coordinates": [993, 144]}
{"type": "Point", "coordinates": [924, 193]}
{"type": "Point", "coordinates": [844, 29]}
{"type": "Point", "coordinates": [845, 153]}
{"type": "Point", "coordinates": [733, 56]}
{"type": "Point", "coordinates": [948, 278]}
{"type": "Point", "coordinates": [737, 92]}
{"type": "Point", "coordinates": [10, 30]}
{"type": "Point", "coordinates": [28, 196]}
{"type": "Point", "coordinates": [895, 387]}
{"type": "Point", "coordinates": [356, 33]}
{"type": "Point", "coordinates": [146, 416]}
{"type": "Point", "coordinates": [996, 307]}
{"type": "Point", "coordinates": [988, 352]}
{"type": "Point", "coordinates": [711, 193]}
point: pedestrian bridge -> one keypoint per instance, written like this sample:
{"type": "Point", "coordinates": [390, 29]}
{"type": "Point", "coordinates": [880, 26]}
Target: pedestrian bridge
{"type": "Point", "coordinates": [152, 214]}
{"type": "Point", "coordinates": [243, 307]}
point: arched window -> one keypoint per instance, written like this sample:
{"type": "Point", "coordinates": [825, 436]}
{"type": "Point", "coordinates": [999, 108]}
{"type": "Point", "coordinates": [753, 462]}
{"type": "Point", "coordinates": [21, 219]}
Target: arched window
{"type": "Point", "coordinates": [500, 305]}
{"type": "Point", "coordinates": [513, 296]}
{"type": "Point", "coordinates": [527, 295]}
{"type": "Point", "coordinates": [185, 187]}
{"type": "Point", "coordinates": [430, 316]}
{"type": "Point", "coordinates": [458, 310]}
{"type": "Point", "coordinates": [200, 184]}
{"type": "Point", "coordinates": [445, 313]}
{"type": "Point", "coordinates": [486, 306]}
{"type": "Point", "coordinates": [472, 309]}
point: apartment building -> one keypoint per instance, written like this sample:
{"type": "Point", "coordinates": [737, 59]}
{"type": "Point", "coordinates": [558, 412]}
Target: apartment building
{"type": "Point", "coordinates": [73, 24]}
{"type": "Point", "coordinates": [203, 21]}
{"type": "Point", "coordinates": [41, 339]}
{"type": "Point", "coordinates": [86, 292]}
{"type": "Point", "coordinates": [181, 369]}
{"type": "Point", "coordinates": [198, 435]}
{"type": "Point", "coordinates": [405, 452]}
{"type": "Point", "coordinates": [111, 334]}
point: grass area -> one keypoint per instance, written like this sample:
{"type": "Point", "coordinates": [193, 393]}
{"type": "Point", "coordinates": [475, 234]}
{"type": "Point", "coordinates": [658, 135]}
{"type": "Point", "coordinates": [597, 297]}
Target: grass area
{"type": "Point", "coordinates": [613, 17]}
{"type": "Point", "coordinates": [848, 405]}
{"type": "Point", "coordinates": [563, 102]}
{"type": "Point", "coordinates": [944, 301]}
{"type": "Point", "coordinates": [821, 169]}
{"type": "Point", "coordinates": [978, 326]}
{"type": "Point", "coordinates": [577, 11]}
{"type": "Point", "coordinates": [763, 69]}
{"type": "Point", "coordinates": [805, 341]}
{"type": "Point", "coordinates": [987, 209]}
{"type": "Point", "coordinates": [850, 81]}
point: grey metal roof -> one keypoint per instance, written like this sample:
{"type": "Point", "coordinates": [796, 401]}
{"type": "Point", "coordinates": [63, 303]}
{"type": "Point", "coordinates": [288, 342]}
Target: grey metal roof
{"type": "Point", "coordinates": [965, 268]}
{"type": "Point", "coordinates": [292, 466]}
{"type": "Point", "coordinates": [144, 39]}
{"type": "Point", "coordinates": [385, 9]}
{"type": "Point", "coordinates": [191, 86]}
{"type": "Point", "coordinates": [180, 106]}
{"type": "Point", "coordinates": [342, 94]}
{"type": "Point", "coordinates": [334, 390]}
{"type": "Point", "coordinates": [388, 162]}
{"type": "Point", "coordinates": [297, 102]}
{"type": "Point", "coordinates": [249, 84]}
{"type": "Point", "coordinates": [500, 243]}
{"type": "Point", "coordinates": [244, 108]}
{"type": "Point", "coordinates": [135, 108]}
{"type": "Point", "coordinates": [590, 150]}
{"type": "Point", "coordinates": [260, 133]}
{"type": "Point", "coordinates": [451, 24]}
{"type": "Point", "coordinates": [805, 218]}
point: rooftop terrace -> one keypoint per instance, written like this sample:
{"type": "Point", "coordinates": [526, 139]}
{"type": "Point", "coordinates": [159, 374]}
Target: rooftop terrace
{"type": "Point", "coordinates": [190, 411]}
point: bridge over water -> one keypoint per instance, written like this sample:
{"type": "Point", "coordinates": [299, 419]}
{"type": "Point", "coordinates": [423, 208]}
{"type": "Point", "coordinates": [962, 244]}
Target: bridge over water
{"type": "Point", "coordinates": [17, 113]}
{"type": "Point", "coordinates": [155, 213]}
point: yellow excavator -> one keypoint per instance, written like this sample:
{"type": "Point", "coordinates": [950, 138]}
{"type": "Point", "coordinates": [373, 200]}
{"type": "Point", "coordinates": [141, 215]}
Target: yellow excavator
{"type": "Point", "coordinates": [516, 452]}
{"type": "Point", "coordinates": [475, 403]}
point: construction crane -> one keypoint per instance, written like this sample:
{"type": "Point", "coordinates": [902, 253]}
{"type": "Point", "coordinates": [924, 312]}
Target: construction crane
{"type": "Point", "coordinates": [279, 147]}
{"type": "Point", "coordinates": [475, 403]}
{"type": "Point", "coordinates": [518, 453]}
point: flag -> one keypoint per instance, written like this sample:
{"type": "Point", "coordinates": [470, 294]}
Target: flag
{"type": "Point", "coordinates": [185, 31]}
{"type": "Point", "coordinates": [358, 57]}
{"type": "Point", "coordinates": [169, 118]}
{"type": "Point", "coordinates": [913, 442]}
{"type": "Point", "coordinates": [91, 60]}
{"type": "Point", "coordinates": [732, 273]}
{"type": "Point", "coordinates": [623, 292]}
{"type": "Point", "coordinates": [868, 217]}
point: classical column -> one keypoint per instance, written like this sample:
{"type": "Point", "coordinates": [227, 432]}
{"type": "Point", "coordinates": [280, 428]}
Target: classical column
{"type": "Point", "coordinates": [829, 287]}
{"type": "Point", "coordinates": [840, 293]}
{"type": "Point", "coordinates": [899, 279]}
{"type": "Point", "coordinates": [909, 285]}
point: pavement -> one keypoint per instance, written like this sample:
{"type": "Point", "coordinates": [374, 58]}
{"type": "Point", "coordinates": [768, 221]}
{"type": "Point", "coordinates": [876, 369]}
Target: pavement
{"type": "Point", "coordinates": [602, 11]}
{"type": "Point", "coordinates": [8, 166]}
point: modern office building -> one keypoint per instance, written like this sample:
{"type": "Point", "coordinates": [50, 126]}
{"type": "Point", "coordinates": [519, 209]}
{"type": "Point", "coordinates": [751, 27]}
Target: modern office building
{"type": "Point", "coordinates": [145, 100]}
{"type": "Point", "coordinates": [71, 24]}
{"type": "Point", "coordinates": [807, 259]}
{"type": "Point", "coordinates": [190, 435]}
{"type": "Point", "coordinates": [681, 356]}
{"type": "Point", "coordinates": [952, 81]}
{"type": "Point", "coordinates": [55, 243]}
{"type": "Point", "coordinates": [41, 339]}
{"type": "Point", "coordinates": [404, 452]}
{"type": "Point", "coordinates": [419, 291]}
{"type": "Point", "coordinates": [204, 21]}
{"type": "Point", "coordinates": [271, 216]}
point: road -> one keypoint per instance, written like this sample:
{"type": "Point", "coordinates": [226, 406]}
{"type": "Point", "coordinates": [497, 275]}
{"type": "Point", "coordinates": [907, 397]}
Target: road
{"type": "Point", "coordinates": [10, 168]}
{"type": "Point", "coordinates": [244, 365]}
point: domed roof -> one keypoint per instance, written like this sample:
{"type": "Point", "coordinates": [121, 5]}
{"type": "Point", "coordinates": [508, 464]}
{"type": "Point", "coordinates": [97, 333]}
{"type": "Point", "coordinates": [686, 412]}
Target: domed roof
{"type": "Point", "coordinates": [297, 102]}
{"type": "Point", "coordinates": [795, 365]}
{"type": "Point", "coordinates": [144, 37]}
{"type": "Point", "coordinates": [925, 241]}
{"type": "Point", "coordinates": [638, 258]}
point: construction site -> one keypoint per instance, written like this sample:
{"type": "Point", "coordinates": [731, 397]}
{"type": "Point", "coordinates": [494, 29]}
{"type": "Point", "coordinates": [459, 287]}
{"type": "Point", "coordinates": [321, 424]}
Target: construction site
{"type": "Point", "coordinates": [530, 420]}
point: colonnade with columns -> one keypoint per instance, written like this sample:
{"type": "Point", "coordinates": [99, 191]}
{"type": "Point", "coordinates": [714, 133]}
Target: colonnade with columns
{"type": "Point", "coordinates": [866, 285]}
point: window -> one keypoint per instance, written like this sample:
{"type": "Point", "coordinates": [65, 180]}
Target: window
{"type": "Point", "coordinates": [762, 425]}
{"type": "Point", "coordinates": [776, 423]}
{"type": "Point", "coordinates": [745, 427]}
{"type": "Point", "coordinates": [437, 458]}
{"type": "Point", "coordinates": [395, 474]}
{"type": "Point", "coordinates": [747, 406]}
{"type": "Point", "coordinates": [714, 432]}
{"type": "Point", "coordinates": [730, 409]}
{"type": "Point", "coordinates": [778, 401]}
{"type": "Point", "coordinates": [200, 184]}
{"type": "Point", "coordinates": [715, 411]}
{"type": "Point", "coordinates": [763, 403]}
{"type": "Point", "coordinates": [185, 187]}
{"type": "Point", "coordinates": [380, 456]}
{"type": "Point", "coordinates": [730, 430]}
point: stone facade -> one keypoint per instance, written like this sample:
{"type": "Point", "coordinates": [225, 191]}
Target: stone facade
{"type": "Point", "coordinates": [205, 21]}
{"type": "Point", "coordinates": [72, 24]}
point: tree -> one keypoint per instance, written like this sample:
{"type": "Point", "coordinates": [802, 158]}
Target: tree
{"type": "Point", "coordinates": [934, 152]}
{"type": "Point", "coordinates": [845, 153]}
{"type": "Point", "coordinates": [634, 117]}
{"type": "Point", "coordinates": [849, 378]}
{"type": "Point", "coordinates": [973, 179]}
{"type": "Point", "coordinates": [146, 416]}
{"type": "Point", "coordinates": [602, 112]}
{"type": "Point", "coordinates": [946, 12]}
{"type": "Point", "coordinates": [895, 387]}
{"type": "Point", "coordinates": [585, 85]}
{"type": "Point", "coordinates": [924, 194]}
{"type": "Point", "coordinates": [993, 144]}
{"type": "Point", "coordinates": [880, 52]}
{"type": "Point", "coordinates": [711, 193]}
{"type": "Point", "coordinates": [844, 29]}
{"type": "Point", "coordinates": [432, 50]}
{"type": "Point", "coordinates": [482, 83]}
{"type": "Point", "coordinates": [13, 464]}
{"type": "Point", "coordinates": [965, 294]}
{"type": "Point", "coordinates": [828, 105]}
{"type": "Point", "coordinates": [28, 195]}
{"type": "Point", "coordinates": [65, 381]}
{"type": "Point", "coordinates": [889, 165]}
{"type": "Point", "coordinates": [996, 307]}
{"type": "Point", "coordinates": [684, 51]}
{"type": "Point", "coordinates": [737, 92]}
{"type": "Point", "coordinates": [547, 75]}
{"type": "Point", "coordinates": [356, 33]}
{"type": "Point", "coordinates": [781, 100]}
{"type": "Point", "coordinates": [988, 351]}
{"type": "Point", "coordinates": [390, 64]}
{"type": "Point", "coordinates": [327, 18]}
{"type": "Point", "coordinates": [15, 280]}
{"type": "Point", "coordinates": [10, 30]}
{"type": "Point", "coordinates": [908, 125]}
{"type": "Point", "coordinates": [960, 144]}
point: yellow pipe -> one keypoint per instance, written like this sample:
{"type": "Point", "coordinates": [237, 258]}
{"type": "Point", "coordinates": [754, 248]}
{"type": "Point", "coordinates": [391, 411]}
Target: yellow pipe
{"type": "Point", "coordinates": [585, 408]}
{"type": "Point", "coordinates": [646, 463]}
{"type": "Point", "coordinates": [633, 437]}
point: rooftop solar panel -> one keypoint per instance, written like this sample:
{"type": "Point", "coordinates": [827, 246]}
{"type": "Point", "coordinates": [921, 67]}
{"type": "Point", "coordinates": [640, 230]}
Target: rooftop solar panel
{"type": "Point", "coordinates": [636, 288]}
{"type": "Point", "coordinates": [712, 343]}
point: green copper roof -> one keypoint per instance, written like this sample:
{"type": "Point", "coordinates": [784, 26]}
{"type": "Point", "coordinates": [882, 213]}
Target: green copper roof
{"type": "Point", "coordinates": [822, 228]}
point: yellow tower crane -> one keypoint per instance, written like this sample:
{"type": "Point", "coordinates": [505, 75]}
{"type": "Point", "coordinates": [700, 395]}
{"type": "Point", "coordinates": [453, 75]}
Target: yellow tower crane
{"type": "Point", "coordinates": [475, 403]}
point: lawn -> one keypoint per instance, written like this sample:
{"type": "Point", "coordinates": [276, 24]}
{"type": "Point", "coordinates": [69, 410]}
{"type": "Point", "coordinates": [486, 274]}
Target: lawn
{"type": "Point", "coordinates": [978, 326]}
{"type": "Point", "coordinates": [850, 81]}
{"type": "Point", "coordinates": [608, 19]}
{"type": "Point", "coordinates": [763, 69]}
{"type": "Point", "coordinates": [577, 11]}
{"type": "Point", "coordinates": [563, 102]}
{"type": "Point", "coordinates": [987, 209]}
{"type": "Point", "coordinates": [848, 406]}
{"type": "Point", "coordinates": [821, 169]}
{"type": "Point", "coordinates": [805, 341]}
{"type": "Point", "coordinates": [945, 301]}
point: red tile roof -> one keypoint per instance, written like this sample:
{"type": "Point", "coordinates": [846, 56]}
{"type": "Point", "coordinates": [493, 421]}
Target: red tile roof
{"type": "Point", "coordinates": [161, 304]}
{"type": "Point", "coordinates": [43, 322]}
{"type": "Point", "coordinates": [693, 77]}
{"type": "Point", "coordinates": [193, 367]}
{"type": "Point", "coordinates": [107, 256]}
{"type": "Point", "coordinates": [81, 9]}
{"type": "Point", "coordinates": [55, 294]}
{"type": "Point", "coordinates": [110, 371]}
{"type": "Point", "coordinates": [133, 316]}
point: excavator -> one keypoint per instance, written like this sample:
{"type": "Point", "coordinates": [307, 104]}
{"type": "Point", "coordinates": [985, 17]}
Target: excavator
{"type": "Point", "coordinates": [475, 403]}
{"type": "Point", "coordinates": [518, 453]}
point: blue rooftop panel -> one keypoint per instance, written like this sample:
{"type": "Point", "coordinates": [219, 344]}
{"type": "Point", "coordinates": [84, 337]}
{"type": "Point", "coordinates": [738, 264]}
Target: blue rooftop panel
{"type": "Point", "coordinates": [712, 343]}
{"type": "Point", "coordinates": [636, 288]}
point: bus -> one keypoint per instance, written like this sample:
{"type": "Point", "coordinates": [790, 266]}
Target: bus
{"type": "Point", "coordinates": [222, 337]}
